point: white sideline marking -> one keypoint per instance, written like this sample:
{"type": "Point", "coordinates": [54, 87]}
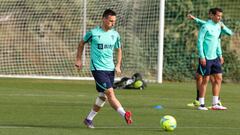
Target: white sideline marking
{"type": "Point", "coordinates": [9, 127]}
{"type": "Point", "coordinates": [125, 127]}
{"type": "Point", "coordinates": [41, 95]}
{"type": "Point", "coordinates": [158, 128]}
{"type": "Point", "coordinates": [231, 128]}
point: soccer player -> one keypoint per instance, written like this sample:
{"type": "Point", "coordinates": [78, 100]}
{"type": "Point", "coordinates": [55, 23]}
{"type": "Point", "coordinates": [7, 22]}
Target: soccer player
{"type": "Point", "coordinates": [103, 40]}
{"type": "Point", "coordinates": [225, 30]}
{"type": "Point", "coordinates": [210, 58]}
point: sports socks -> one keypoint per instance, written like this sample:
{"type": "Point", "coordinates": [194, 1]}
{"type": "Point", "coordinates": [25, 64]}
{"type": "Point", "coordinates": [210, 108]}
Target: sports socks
{"type": "Point", "coordinates": [215, 100]}
{"type": "Point", "coordinates": [91, 115]}
{"type": "Point", "coordinates": [121, 111]}
{"type": "Point", "coordinates": [201, 100]}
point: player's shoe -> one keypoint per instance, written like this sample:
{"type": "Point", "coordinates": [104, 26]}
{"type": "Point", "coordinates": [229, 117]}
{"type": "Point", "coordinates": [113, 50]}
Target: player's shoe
{"type": "Point", "coordinates": [219, 103]}
{"type": "Point", "coordinates": [128, 117]}
{"type": "Point", "coordinates": [88, 123]}
{"type": "Point", "coordinates": [195, 103]}
{"type": "Point", "coordinates": [202, 107]}
{"type": "Point", "coordinates": [218, 107]}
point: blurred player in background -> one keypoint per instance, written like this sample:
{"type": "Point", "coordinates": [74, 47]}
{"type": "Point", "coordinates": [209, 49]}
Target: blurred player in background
{"type": "Point", "coordinates": [103, 40]}
{"type": "Point", "coordinates": [210, 58]}
{"type": "Point", "coordinates": [225, 30]}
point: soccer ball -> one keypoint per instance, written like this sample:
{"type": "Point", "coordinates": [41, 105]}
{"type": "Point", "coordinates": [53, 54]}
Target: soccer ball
{"type": "Point", "coordinates": [168, 123]}
{"type": "Point", "coordinates": [137, 84]}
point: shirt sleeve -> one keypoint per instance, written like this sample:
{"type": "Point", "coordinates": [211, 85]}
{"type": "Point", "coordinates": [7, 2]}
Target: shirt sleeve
{"type": "Point", "coordinates": [226, 30]}
{"type": "Point", "coordinates": [118, 42]}
{"type": "Point", "coordinates": [201, 36]}
{"type": "Point", "coordinates": [87, 37]}
{"type": "Point", "coordinates": [199, 21]}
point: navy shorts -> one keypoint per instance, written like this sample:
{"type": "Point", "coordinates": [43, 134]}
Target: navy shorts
{"type": "Point", "coordinates": [104, 80]}
{"type": "Point", "coordinates": [212, 67]}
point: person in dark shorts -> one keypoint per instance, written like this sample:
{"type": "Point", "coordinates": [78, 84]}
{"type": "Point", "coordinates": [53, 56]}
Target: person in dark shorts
{"type": "Point", "coordinates": [225, 31]}
{"type": "Point", "coordinates": [210, 59]}
{"type": "Point", "coordinates": [103, 41]}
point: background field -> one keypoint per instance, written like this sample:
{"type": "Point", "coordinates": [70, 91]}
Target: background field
{"type": "Point", "coordinates": [40, 38]}
{"type": "Point", "coordinates": [56, 107]}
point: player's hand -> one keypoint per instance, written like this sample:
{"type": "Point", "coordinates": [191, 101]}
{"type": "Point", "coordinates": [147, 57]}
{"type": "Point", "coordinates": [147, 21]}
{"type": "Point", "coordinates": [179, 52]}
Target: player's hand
{"type": "Point", "coordinates": [78, 64]}
{"type": "Point", "coordinates": [203, 62]}
{"type": "Point", "coordinates": [221, 60]}
{"type": "Point", "coordinates": [190, 16]}
{"type": "Point", "coordinates": [118, 70]}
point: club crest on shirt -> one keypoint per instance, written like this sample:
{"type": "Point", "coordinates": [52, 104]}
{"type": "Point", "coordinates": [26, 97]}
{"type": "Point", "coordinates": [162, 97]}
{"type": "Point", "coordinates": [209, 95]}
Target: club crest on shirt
{"type": "Point", "coordinates": [112, 36]}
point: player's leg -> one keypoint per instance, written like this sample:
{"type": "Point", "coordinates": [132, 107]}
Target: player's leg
{"type": "Point", "coordinates": [202, 92]}
{"type": "Point", "coordinates": [204, 71]}
{"type": "Point", "coordinates": [216, 91]}
{"type": "Point", "coordinates": [212, 80]}
{"type": "Point", "coordinates": [100, 100]}
{"type": "Point", "coordinates": [216, 87]}
{"type": "Point", "coordinates": [198, 83]}
{"type": "Point", "coordinates": [114, 102]}
{"type": "Point", "coordinates": [104, 83]}
{"type": "Point", "coordinates": [116, 105]}
{"type": "Point", "coordinates": [216, 71]}
{"type": "Point", "coordinates": [99, 103]}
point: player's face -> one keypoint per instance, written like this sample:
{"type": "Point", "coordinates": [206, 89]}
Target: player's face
{"type": "Point", "coordinates": [109, 21]}
{"type": "Point", "coordinates": [217, 17]}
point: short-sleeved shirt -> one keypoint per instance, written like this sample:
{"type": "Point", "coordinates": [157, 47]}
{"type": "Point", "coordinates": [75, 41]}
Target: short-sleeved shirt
{"type": "Point", "coordinates": [102, 45]}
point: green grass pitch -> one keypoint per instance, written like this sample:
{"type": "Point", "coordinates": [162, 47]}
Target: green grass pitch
{"type": "Point", "coordinates": [58, 107]}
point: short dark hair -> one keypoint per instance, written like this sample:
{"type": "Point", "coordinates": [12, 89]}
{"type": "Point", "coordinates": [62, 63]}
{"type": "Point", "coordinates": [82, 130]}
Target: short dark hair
{"type": "Point", "coordinates": [215, 10]}
{"type": "Point", "coordinates": [108, 12]}
{"type": "Point", "coordinates": [210, 10]}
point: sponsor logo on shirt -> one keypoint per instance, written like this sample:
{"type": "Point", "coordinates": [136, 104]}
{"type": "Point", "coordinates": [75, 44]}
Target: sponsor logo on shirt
{"type": "Point", "coordinates": [102, 46]}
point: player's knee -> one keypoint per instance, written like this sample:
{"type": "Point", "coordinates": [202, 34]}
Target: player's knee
{"type": "Point", "coordinates": [100, 101]}
{"type": "Point", "coordinates": [218, 80]}
{"type": "Point", "coordinates": [103, 98]}
{"type": "Point", "coordinates": [212, 80]}
{"type": "Point", "coordinates": [110, 94]}
{"type": "Point", "coordinates": [199, 77]}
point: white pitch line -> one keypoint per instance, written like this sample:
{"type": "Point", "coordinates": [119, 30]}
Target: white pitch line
{"type": "Point", "coordinates": [230, 128]}
{"type": "Point", "coordinates": [131, 127]}
{"type": "Point", "coordinates": [10, 127]}
{"type": "Point", "coordinates": [40, 95]}
{"type": "Point", "coordinates": [125, 127]}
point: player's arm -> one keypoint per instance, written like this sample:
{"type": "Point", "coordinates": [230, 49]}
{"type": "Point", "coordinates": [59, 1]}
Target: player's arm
{"type": "Point", "coordinates": [119, 60]}
{"type": "Point", "coordinates": [199, 21]}
{"type": "Point", "coordinates": [78, 62]}
{"type": "Point", "coordinates": [201, 36]}
{"type": "Point", "coordinates": [196, 20]}
{"type": "Point", "coordinates": [225, 29]}
{"type": "Point", "coordinates": [219, 51]}
{"type": "Point", "coordinates": [85, 39]}
{"type": "Point", "coordinates": [119, 55]}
